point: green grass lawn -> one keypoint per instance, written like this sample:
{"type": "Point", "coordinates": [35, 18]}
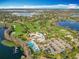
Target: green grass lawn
{"type": "Point", "coordinates": [8, 43]}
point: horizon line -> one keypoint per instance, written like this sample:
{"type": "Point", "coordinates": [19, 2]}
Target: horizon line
{"type": "Point", "coordinates": [55, 6]}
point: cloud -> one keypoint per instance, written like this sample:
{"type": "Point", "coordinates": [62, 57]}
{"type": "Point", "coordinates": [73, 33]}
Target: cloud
{"type": "Point", "coordinates": [73, 6]}
{"type": "Point", "coordinates": [57, 6]}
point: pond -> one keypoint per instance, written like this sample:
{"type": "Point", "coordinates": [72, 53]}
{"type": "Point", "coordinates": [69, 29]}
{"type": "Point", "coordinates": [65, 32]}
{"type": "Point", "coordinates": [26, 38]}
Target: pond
{"type": "Point", "coordinates": [69, 24]}
{"type": "Point", "coordinates": [7, 52]}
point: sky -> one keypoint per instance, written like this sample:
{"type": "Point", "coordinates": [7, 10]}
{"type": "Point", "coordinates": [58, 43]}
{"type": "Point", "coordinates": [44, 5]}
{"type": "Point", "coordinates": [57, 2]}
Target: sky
{"type": "Point", "coordinates": [69, 4]}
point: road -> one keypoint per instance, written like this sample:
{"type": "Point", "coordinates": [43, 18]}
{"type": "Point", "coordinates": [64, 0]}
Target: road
{"type": "Point", "coordinates": [18, 42]}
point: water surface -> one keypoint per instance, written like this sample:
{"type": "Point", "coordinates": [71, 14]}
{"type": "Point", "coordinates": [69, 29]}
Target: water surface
{"type": "Point", "coordinates": [69, 24]}
{"type": "Point", "coordinates": [74, 15]}
{"type": "Point", "coordinates": [25, 14]}
{"type": "Point", "coordinates": [7, 52]}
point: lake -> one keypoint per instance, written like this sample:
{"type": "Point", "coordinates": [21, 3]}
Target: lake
{"type": "Point", "coordinates": [25, 14]}
{"type": "Point", "coordinates": [74, 15]}
{"type": "Point", "coordinates": [7, 52]}
{"type": "Point", "coordinates": [69, 24]}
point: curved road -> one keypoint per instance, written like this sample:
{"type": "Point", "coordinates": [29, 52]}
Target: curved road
{"type": "Point", "coordinates": [18, 43]}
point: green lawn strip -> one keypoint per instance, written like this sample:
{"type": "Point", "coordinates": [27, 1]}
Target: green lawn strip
{"type": "Point", "coordinates": [8, 43]}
